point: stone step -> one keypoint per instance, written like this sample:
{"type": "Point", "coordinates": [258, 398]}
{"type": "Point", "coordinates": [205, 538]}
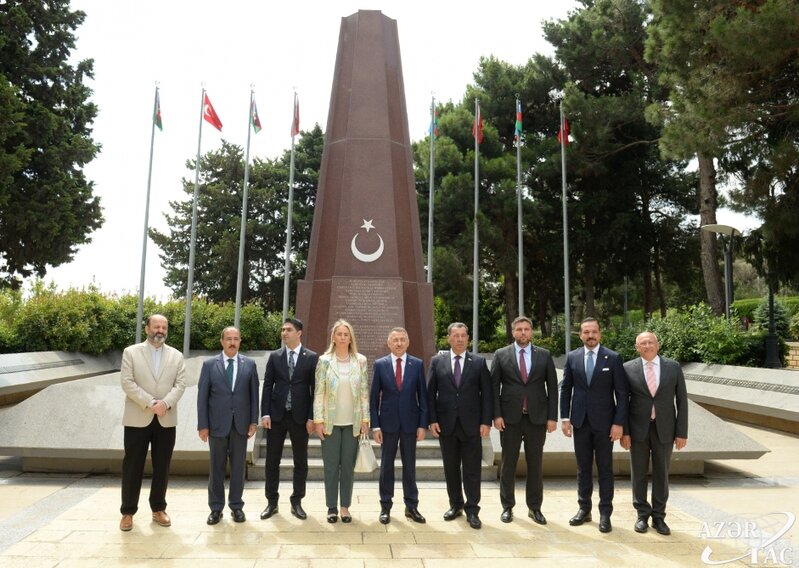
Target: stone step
{"type": "Point", "coordinates": [429, 465]}
{"type": "Point", "coordinates": [428, 448]}
{"type": "Point", "coordinates": [426, 470]}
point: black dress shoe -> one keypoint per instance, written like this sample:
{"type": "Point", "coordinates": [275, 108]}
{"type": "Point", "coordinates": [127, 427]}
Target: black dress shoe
{"type": "Point", "coordinates": [414, 515]}
{"type": "Point", "coordinates": [473, 520]}
{"type": "Point", "coordinates": [332, 515]}
{"type": "Point", "coordinates": [537, 516]}
{"type": "Point", "coordinates": [214, 517]}
{"type": "Point", "coordinates": [661, 527]}
{"type": "Point", "coordinates": [270, 510]}
{"type": "Point", "coordinates": [238, 516]}
{"type": "Point", "coordinates": [346, 518]}
{"type": "Point", "coordinates": [581, 517]}
{"type": "Point", "coordinates": [298, 511]}
{"type": "Point", "coordinates": [385, 516]}
{"type": "Point", "coordinates": [453, 513]}
{"type": "Point", "coordinates": [641, 526]}
{"type": "Point", "coordinates": [507, 515]}
{"type": "Point", "coordinates": [604, 524]}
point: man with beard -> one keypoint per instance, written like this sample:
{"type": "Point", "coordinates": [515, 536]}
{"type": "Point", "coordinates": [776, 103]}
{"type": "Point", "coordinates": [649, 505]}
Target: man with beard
{"type": "Point", "coordinates": [153, 378]}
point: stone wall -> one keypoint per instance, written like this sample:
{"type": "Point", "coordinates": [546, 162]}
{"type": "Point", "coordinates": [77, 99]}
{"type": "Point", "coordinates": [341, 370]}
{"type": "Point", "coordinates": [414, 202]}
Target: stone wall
{"type": "Point", "coordinates": [792, 362]}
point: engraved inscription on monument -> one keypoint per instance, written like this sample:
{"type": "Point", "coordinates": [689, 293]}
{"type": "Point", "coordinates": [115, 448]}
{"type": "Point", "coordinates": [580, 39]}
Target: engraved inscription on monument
{"type": "Point", "coordinates": [373, 305]}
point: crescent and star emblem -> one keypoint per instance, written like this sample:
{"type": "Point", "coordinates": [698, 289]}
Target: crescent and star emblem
{"type": "Point", "coordinates": [370, 257]}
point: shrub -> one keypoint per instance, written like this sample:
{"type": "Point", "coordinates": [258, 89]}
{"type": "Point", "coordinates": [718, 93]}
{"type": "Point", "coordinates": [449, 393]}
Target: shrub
{"type": "Point", "coordinates": [10, 303]}
{"type": "Point", "coordinates": [793, 331]}
{"type": "Point", "coordinates": [621, 339]}
{"type": "Point", "coordinates": [64, 321]}
{"type": "Point", "coordinates": [782, 320]}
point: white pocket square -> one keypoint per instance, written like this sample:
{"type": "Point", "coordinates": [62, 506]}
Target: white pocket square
{"type": "Point", "coordinates": [606, 369]}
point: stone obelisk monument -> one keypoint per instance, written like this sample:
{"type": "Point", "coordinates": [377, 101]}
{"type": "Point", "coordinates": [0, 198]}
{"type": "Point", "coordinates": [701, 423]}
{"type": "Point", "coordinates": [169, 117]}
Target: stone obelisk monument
{"type": "Point", "coordinates": [365, 258]}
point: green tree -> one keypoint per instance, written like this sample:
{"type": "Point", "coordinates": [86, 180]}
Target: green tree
{"type": "Point", "coordinates": [628, 206]}
{"type": "Point", "coordinates": [219, 218]}
{"type": "Point", "coordinates": [47, 208]}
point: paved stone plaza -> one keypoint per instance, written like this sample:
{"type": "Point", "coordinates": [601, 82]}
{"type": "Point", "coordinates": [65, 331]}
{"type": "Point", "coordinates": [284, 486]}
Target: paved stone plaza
{"type": "Point", "coordinates": [72, 520]}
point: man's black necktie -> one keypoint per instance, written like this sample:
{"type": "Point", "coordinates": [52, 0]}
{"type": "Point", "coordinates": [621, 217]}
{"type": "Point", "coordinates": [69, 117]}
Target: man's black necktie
{"type": "Point", "coordinates": [291, 372]}
{"type": "Point", "coordinates": [229, 373]}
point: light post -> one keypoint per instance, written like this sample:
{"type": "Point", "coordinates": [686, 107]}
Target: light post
{"type": "Point", "coordinates": [731, 233]}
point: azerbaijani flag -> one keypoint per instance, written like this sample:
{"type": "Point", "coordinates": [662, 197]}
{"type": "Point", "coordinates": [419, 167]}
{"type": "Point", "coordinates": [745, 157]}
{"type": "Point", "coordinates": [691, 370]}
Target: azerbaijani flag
{"type": "Point", "coordinates": [518, 132]}
{"type": "Point", "coordinates": [477, 126]}
{"type": "Point", "coordinates": [434, 123]}
{"type": "Point", "coordinates": [254, 120]}
{"type": "Point", "coordinates": [157, 112]}
{"type": "Point", "coordinates": [563, 133]}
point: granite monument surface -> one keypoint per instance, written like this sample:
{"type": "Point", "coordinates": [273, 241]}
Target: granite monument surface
{"type": "Point", "coordinates": [365, 259]}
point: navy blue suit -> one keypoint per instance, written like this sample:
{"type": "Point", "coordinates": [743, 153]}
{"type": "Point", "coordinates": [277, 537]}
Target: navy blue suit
{"type": "Point", "coordinates": [459, 412]}
{"type": "Point", "coordinates": [228, 415]}
{"type": "Point", "coordinates": [398, 414]}
{"type": "Point", "coordinates": [592, 411]}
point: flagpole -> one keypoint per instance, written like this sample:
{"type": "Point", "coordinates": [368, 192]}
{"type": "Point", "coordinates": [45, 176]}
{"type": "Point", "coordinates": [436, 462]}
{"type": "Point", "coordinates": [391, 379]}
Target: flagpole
{"type": "Point", "coordinates": [243, 228]}
{"type": "Point", "coordinates": [432, 184]}
{"type": "Point", "coordinates": [566, 293]}
{"type": "Point", "coordinates": [475, 274]}
{"type": "Point", "coordinates": [190, 283]}
{"type": "Point", "coordinates": [290, 213]}
{"type": "Point", "coordinates": [140, 306]}
{"type": "Point", "coordinates": [519, 205]}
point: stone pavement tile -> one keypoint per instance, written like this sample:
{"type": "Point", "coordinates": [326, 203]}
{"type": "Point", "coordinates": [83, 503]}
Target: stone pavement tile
{"type": "Point", "coordinates": [284, 563]}
{"type": "Point", "coordinates": [222, 551]}
{"type": "Point", "coordinates": [46, 535]}
{"type": "Point", "coordinates": [394, 563]}
{"type": "Point", "coordinates": [339, 562]}
{"type": "Point", "coordinates": [493, 550]}
{"type": "Point", "coordinates": [391, 537]}
{"type": "Point", "coordinates": [428, 551]}
{"type": "Point", "coordinates": [25, 562]}
{"type": "Point", "coordinates": [315, 551]}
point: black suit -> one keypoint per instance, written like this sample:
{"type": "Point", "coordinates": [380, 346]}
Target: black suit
{"type": "Point", "coordinates": [530, 426]}
{"type": "Point", "coordinates": [593, 409]}
{"type": "Point", "coordinates": [459, 412]}
{"type": "Point", "coordinates": [227, 414]}
{"type": "Point", "coordinates": [654, 438]}
{"type": "Point", "coordinates": [293, 421]}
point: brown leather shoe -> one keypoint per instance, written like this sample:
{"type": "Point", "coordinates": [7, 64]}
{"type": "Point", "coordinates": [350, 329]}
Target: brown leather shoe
{"type": "Point", "coordinates": [126, 523]}
{"type": "Point", "coordinates": [162, 518]}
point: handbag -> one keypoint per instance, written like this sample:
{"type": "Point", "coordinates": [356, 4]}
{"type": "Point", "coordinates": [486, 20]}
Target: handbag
{"type": "Point", "coordinates": [365, 462]}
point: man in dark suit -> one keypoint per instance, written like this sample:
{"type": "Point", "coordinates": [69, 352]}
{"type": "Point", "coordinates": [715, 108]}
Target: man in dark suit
{"type": "Point", "coordinates": [227, 414]}
{"type": "Point", "coordinates": [593, 407]}
{"type": "Point", "coordinates": [525, 409]}
{"type": "Point", "coordinates": [287, 408]}
{"type": "Point", "coordinates": [398, 408]}
{"type": "Point", "coordinates": [460, 406]}
{"type": "Point", "coordinates": [657, 422]}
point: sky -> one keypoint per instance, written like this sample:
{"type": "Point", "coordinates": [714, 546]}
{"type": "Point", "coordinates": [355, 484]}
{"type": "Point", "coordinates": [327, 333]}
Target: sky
{"type": "Point", "coordinates": [229, 48]}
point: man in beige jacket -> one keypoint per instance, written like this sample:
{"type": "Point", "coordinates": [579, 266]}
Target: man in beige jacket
{"type": "Point", "coordinates": [153, 377]}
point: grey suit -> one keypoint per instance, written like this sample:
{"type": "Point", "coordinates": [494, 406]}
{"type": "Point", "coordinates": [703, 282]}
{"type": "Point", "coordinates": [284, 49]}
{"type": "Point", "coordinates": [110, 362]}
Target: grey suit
{"type": "Point", "coordinates": [228, 415]}
{"type": "Point", "coordinates": [654, 438]}
{"type": "Point", "coordinates": [541, 392]}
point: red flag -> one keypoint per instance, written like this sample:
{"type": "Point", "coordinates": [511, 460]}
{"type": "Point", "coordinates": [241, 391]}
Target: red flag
{"type": "Point", "coordinates": [209, 114]}
{"type": "Point", "coordinates": [565, 130]}
{"type": "Point", "coordinates": [478, 126]}
{"type": "Point", "coordinates": [295, 123]}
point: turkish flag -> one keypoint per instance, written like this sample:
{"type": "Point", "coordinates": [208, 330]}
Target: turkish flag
{"type": "Point", "coordinates": [209, 114]}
